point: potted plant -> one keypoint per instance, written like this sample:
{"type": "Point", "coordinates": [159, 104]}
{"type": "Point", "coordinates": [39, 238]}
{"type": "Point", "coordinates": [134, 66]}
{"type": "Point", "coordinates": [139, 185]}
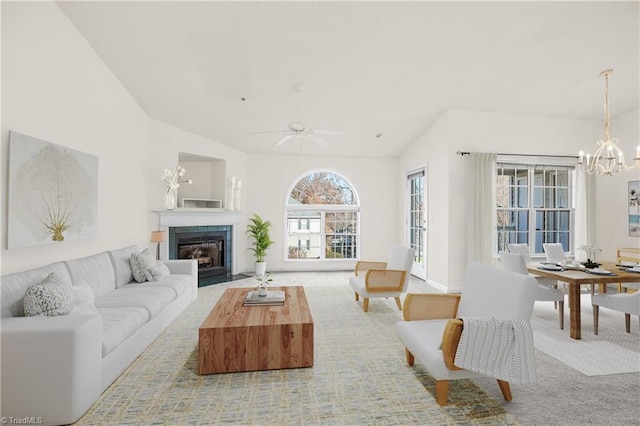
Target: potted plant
{"type": "Point", "coordinates": [258, 230]}
{"type": "Point", "coordinates": [591, 251]}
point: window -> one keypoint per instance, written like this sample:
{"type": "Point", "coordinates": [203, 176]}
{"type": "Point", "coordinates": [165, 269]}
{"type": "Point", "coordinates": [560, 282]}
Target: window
{"type": "Point", "coordinates": [534, 205]}
{"type": "Point", "coordinates": [322, 218]}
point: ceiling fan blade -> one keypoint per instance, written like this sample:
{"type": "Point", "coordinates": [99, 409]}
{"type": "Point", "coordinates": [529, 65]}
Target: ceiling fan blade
{"type": "Point", "coordinates": [329, 132]}
{"type": "Point", "coordinates": [269, 131]}
{"type": "Point", "coordinates": [283, 140]}
{"type": "Point", "coordinates": [316, 139]}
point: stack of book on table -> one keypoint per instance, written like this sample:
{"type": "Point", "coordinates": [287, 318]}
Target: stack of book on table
{"type": "Point", "coordinates": [273, 298]}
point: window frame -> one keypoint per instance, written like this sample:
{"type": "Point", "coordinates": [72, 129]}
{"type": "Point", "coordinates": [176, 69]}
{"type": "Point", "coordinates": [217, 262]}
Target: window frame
{"type": "Point", "coordinates": [322, 209]}
{"type": "Point", "coordinates": [532, 164]}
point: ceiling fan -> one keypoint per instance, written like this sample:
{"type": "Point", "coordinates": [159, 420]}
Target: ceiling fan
{"type": "Point", "coordinates": [297, 129]}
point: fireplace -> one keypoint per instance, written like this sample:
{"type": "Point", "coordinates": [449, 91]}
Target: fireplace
{"type": "Point", "coordinates": [210, 246]}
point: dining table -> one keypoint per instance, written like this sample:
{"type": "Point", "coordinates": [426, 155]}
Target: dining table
{"type": "Point", "coordinates": [576, 276]}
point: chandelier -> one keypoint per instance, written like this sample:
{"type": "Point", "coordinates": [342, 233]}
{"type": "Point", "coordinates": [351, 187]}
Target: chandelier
{"type": "Point", "coordinates": [608, 158]}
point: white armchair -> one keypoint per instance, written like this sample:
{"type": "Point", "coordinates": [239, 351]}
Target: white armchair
{"type": "Point", "coordinates": [544, 292]}
{"type": "Point", "coordinates": [431, 336]}
{"type": "Point", "coordinates": [383, 279]}
{"type": "Point", "coordinates": [629, 303]}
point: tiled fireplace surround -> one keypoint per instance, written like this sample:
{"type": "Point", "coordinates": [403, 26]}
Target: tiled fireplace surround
{"type": "Point", "coordinates": [182, 221]}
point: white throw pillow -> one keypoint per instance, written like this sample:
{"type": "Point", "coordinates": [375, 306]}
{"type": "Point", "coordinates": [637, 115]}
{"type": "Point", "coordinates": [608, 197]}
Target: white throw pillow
{"type": "Point", "coordinates": [83, 299]}
{"type": "Point", "coordinates": [160, 271]}
{"type": "Point", "coordinates": [141, 265]}
{"type": "Point", "coordinates": [50, 297]}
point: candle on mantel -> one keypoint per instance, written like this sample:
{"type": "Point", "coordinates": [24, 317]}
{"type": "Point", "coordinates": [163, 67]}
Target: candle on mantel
{"type": "Point", "coordinates": [237, 196]}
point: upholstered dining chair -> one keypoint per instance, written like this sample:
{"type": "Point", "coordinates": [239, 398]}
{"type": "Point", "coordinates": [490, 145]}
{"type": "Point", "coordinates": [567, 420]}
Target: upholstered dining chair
{"type": "Point", "coordinates": [554, 252]}
{"type": "Point", "coordinates": [629, 303]}
{"type": "Point", "coordinates": [430, 331]}
{"type": "Point", "coordinates": [383, 279]}
{"type": "Point", "coordinates": [520, 248]}
{"type": "Point", "coordinates": [544, 293]}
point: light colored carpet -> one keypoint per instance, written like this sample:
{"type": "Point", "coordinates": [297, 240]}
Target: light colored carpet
{"type": "Point", "coordinates": [612, 351]}
{"type": "Point", "coordinates": [359, 374]}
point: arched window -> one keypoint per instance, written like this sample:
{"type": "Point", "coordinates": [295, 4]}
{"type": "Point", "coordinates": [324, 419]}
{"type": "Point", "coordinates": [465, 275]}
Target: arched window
{"type": "Point", "coordinates": [322, 218]}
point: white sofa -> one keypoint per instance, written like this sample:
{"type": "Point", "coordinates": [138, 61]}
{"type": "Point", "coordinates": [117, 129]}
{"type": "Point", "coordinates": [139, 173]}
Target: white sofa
{"type": "Point", "coordinates": [55, 368]}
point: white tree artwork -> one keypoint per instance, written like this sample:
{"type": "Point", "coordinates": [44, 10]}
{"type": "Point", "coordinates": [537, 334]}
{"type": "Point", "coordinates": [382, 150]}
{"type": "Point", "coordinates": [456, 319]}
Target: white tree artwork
{"type": "Point", "coordinates": [53, 192]}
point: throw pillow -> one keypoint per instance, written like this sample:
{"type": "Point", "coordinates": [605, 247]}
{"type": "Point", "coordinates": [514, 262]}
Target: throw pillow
{"type": "Point", "coordinates": [50, 297]}
{"type": "Point", "coordinates": [141, 265]}
{"type": "Point", "coordinates": [160, 271]}
{"type": "Point", "coordinates": [83, 299]}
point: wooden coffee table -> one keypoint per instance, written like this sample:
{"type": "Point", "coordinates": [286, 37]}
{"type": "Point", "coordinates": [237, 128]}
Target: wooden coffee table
{"type": "Point", "coordinates": [248, 338]}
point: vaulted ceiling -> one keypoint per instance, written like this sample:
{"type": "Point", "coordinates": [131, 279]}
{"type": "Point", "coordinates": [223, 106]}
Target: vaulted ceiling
{"type": "Point", "coordinates": [225, 69]}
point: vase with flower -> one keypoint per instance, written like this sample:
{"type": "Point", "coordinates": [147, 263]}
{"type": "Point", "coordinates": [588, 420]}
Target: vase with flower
{"type": "Point", "coordinates": [172, 179]}
{"type": "Point", "coordinates": [263, 283]}
{"type": "Point", "coordinates": [591, 252]}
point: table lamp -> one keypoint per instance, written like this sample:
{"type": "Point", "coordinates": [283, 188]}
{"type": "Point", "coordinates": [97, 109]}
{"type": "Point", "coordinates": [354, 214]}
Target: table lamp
{"type": "Point", "coordinates": [158, 237]}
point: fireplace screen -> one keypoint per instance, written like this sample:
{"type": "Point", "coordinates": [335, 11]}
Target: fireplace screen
{"type": "Point", "coordinates": [206, 248]}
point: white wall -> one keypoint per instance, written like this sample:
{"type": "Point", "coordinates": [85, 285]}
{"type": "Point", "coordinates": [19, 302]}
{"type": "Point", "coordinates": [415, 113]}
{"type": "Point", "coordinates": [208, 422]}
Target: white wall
{"type": "Point", "coordinates": [374, 180]}
{"type": "Point", "coordinates": [612, 223]}
{"type": "Point", "coordinates": [55, 88]}
{"type": "Point", "coordinates": [431, 150]}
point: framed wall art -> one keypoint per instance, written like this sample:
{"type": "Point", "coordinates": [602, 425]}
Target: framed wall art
{"type": "Point", "coordinates": [53, 193]}
{"type": "Point", "coordinates": [634, 208]}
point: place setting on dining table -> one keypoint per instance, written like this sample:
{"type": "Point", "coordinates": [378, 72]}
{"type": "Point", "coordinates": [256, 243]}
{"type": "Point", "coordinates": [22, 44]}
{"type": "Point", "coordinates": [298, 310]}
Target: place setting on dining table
{"type": "Point", "coordinates": [576, 274]}
{"type": "Point", "coordinates": [593, 268]}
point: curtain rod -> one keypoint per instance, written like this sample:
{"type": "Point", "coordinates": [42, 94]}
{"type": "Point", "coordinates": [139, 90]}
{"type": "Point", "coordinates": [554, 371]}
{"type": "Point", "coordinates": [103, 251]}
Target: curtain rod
{"type": "Point", "coordinates": [463, 153]}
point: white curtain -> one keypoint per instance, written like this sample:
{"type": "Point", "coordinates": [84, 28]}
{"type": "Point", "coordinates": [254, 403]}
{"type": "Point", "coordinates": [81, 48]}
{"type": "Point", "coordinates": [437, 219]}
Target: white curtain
{"type": "Point", "coordinates": [584, 230]}
{"type": "Point", "coordinates": [481, 214]}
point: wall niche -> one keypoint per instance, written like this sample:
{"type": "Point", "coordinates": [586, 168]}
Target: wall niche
{"type": "Point", "coordinates": [209, 181]}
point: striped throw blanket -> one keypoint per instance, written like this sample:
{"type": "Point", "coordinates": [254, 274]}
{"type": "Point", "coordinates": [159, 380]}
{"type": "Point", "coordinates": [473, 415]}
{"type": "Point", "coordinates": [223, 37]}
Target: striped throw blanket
{"type": "Point", "coordinates": [502, 349]}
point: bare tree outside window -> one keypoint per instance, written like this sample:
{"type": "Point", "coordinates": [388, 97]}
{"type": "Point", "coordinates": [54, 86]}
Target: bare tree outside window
{"type": "Point", "coordinates": [327, 228]}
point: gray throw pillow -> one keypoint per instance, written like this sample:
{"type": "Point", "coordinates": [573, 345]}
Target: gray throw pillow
{"type": "Point", "coordinates": [141, 265]}
{"type": "Point", "coordinates": [50, 297]}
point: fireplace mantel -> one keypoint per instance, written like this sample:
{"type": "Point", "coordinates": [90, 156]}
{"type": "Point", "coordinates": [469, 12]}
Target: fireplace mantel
{"type": "Point", "coordinates": [197, 217]}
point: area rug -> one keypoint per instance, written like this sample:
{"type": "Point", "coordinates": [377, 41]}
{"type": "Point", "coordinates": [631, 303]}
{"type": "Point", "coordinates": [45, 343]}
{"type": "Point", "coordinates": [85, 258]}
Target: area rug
{"type": "Point", "coordinates": [612, 351]}
{"type": "Point", "coordinates": [359, 375]}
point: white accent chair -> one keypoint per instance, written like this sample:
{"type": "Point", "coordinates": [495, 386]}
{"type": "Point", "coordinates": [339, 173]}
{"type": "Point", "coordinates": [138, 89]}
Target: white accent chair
{"type": "Point", "coordinates": [430, 334]}
{"type": "Point", "coordinates": [383, 279]}
{"type": "Point", "coordinates": [515, 263]}
{"type": "Point", "coordinates": [554, 252]}
{"type": "Point", "coordinates": [629, 303]}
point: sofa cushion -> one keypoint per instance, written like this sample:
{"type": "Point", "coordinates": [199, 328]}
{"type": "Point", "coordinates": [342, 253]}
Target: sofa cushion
{"type": "Point", "coordinates": [96, 270]}
{"type": "Point", "coordinates": [120, 259]}
{"type": "Point", "coordinates": [153, 299]}
{"type": "Point", "coordinates": [141, 265]}
{"type": "Point", "coordinates": [118, 324]}
{"type": "Point", "coordinates": [83, 299]}
{"type": "Point", "coordinates": [50, 297]}
{"type": "Point", "coordinates": [14, 287]}
{"type": "Point", "coordinates": [178, 283]}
